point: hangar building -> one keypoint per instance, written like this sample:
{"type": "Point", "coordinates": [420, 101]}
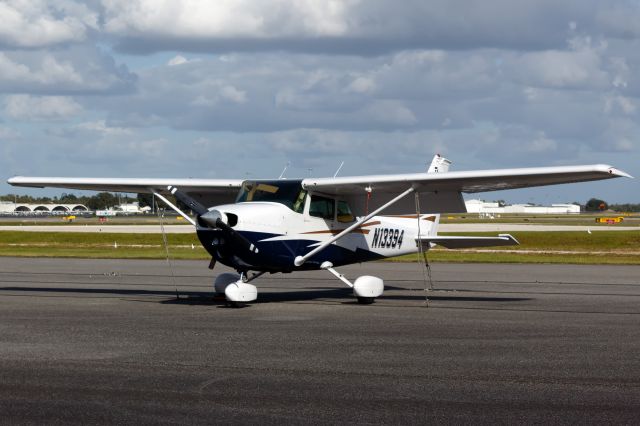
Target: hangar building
{"type": "Point", "coordinates": [7, 207]}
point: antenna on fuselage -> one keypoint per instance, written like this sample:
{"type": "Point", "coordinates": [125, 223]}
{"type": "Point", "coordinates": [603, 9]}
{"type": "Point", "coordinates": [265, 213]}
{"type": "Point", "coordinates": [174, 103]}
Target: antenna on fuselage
{"type": "Point", "coordinates": [284, 170]}
{"type": "Point", "coordinates": [339, 168]}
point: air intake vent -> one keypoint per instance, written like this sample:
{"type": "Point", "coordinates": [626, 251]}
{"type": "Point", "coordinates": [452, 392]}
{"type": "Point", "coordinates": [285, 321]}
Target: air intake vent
{"type": "Point", "coordinates": [233, 219]}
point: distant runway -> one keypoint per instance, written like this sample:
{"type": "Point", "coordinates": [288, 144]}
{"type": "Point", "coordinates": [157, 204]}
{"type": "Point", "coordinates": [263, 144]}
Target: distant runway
{"type": "Point", "coordinates": [185, 229]}
{"type": "Point", "coordinates": [116, 229]}
{"type": "Point", "coordinates": [107, 341]}
{"type": "Point", "coordinates": [515, 227]}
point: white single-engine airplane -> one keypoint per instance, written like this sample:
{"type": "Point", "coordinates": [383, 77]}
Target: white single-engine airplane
{"type": "Point", "coordinates": [259, 226]}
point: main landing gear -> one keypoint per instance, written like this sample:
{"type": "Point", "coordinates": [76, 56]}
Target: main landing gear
{"type": "Point", "coordinates": [237, 290]}
{"type": "Point", "coordinates": [366, 288]}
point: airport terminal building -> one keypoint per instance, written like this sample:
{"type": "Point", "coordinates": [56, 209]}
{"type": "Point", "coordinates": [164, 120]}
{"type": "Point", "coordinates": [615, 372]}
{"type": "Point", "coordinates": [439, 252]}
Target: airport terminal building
{"type": "Point", "coordinates": [8, 207]}
{"type": "Point", "coordinates": [483, 207]}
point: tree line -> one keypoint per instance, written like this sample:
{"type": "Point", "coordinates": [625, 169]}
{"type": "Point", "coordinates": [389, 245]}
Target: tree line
{"type": "Point", "coordinates": [596, 205]}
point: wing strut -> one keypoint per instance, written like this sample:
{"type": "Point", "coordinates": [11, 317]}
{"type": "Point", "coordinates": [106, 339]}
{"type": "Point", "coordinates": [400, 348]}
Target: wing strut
{"type": "Point", "coordinates": [170, 204]}
{"type": "Point", "coordinates": [300, 260]}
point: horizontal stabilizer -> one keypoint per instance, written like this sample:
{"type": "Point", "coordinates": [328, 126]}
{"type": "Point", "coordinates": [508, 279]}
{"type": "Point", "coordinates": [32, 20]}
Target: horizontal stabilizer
{"type": "Point", "coordinates": [457, 242]}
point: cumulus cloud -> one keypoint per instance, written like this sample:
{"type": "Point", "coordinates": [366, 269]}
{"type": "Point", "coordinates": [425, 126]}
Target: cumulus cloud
{"type": "Point", "coordinates": [391, 112]}
{"type": "Point", "coordinates": [26, 107]}
{"type": "Point", "coordinates": [91, 131]}
{"type": "Point", "coordinates": [226, 18]}
{"type": "Point", "coordinates": [7, 133]}
{"type": "Point", "coordinates": [362, 84]}
{"type": "Point", "coordinates": [347, 26]}
{"type": "Point", "coordinates": [177, 60]}
{"type": "Point", "coordinates": [489, 83]}
{"type": "Point", "coordinates": [412, 89]}
{"type": "Point", "coordinates": [620, 19]}
{"type": "Point", "coordinates": [73, 70]}
{"type": "Point", "coordinates": [39, 23]}
{"type": "Point", "coordinates": [49, 71]}
{"type": "Point", "coordinates": [579, 67]}
{"type": "Point", "coordinates": [100, 127]}
{"type": "Point", "coordinates": [334, 26]}
{"type": "Point", "coordinates": [181, 60]}
{"type": "Point", "coordinates": [232, 94]}
{"type": "Point", "coordinates": [542, 144]}
{"type": "Point", "coordinates": [619, 104]}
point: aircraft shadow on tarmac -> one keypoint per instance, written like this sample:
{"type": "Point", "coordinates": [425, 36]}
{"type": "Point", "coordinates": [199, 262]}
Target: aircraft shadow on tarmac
{"type": "Point", "coordinates": [208, 298]}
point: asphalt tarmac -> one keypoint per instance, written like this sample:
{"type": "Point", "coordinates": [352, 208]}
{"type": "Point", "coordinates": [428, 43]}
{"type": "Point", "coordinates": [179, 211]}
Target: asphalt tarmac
{"type": "Point", "coordinates": [107, 341]}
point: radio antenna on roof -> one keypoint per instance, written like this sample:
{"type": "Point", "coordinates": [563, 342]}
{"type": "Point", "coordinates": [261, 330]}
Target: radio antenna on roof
{"type": "Point", "coordinates": [339, 168]}
{"type": "Point", "coordinates": [284, 170]}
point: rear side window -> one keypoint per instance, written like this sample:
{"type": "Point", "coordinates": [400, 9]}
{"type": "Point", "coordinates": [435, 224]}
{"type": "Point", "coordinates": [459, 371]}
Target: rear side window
{"type": "Point", "coordinates": [321, 207]}
{"type": "Point", "coordinates": [344, 212]}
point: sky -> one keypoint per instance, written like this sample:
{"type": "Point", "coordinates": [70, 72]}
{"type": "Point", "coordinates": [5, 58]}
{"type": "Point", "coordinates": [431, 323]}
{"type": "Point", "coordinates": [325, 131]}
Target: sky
{"type": "Point", "coordinates": [241, 89]}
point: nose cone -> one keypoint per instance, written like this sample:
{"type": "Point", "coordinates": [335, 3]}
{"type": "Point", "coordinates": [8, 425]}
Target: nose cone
{"type": "Point", "coordinates": [211, 218]}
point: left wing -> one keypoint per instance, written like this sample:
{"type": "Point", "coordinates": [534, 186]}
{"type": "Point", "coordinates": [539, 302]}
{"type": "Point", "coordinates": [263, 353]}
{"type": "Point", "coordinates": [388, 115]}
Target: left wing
{"type": "Point", "coordinates": [207, 191]}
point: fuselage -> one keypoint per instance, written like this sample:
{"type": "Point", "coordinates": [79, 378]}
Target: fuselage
{"type": "Point", "coordinates": [281, 230]}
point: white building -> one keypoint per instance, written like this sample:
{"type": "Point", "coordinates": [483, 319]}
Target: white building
{"type": "Point", "coordinates": [482, 207]}
{"type": "Point", "coordinates": [132, 208]}
{"type": "Point", "coordinates": [129, 208]}
{"type": "Point", "coordinates": [10, 207]}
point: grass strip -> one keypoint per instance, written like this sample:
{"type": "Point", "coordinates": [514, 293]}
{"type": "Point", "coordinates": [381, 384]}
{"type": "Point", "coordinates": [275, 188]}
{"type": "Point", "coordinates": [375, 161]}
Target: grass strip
{"type": "Point", "coordinates": [601, 247]}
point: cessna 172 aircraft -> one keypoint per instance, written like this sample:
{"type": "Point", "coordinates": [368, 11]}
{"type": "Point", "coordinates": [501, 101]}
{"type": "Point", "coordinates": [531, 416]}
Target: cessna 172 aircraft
{"type": "Point", "coordinates": [259, 226]}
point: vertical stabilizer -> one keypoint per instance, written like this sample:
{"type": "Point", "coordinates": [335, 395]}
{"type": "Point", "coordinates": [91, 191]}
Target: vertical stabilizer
{"type": "Point", "coordinates": [439, 164]}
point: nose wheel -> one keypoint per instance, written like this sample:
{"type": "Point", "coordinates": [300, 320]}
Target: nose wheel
{"type": "Point", "coordinates": [236, 288]}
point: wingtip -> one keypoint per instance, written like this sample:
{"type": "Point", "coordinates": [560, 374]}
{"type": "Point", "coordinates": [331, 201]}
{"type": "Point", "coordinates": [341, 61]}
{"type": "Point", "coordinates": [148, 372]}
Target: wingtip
{"type": "Point", "coordinates": [619, 173]}
{"type": "Point", "coordinates": [510, 238]}
{"type": "Point", "coordinates": [606, 168]}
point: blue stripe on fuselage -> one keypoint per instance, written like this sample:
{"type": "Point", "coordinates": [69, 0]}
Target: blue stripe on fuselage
{"type": "Point", "coordinates": [278, 256]}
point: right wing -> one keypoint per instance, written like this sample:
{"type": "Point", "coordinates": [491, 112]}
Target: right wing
{"type": "Point", "coordinates": [466, 181]}
{"type": "Point", "coordinates": [207, 191]}
{"type": "Point", "coordinates": [442, 192]}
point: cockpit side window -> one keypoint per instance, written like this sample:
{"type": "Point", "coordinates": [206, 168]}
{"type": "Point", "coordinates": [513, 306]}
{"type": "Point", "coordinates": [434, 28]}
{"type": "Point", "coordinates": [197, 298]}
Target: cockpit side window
{"type": "Point", "coordinates": [322, 207]}
{"type": "Point", "coordinates": [287, 192]}
{"type": "Point", "coordinates": [298, 205]}
{"type": "Point", "coordinates": [344, 212]}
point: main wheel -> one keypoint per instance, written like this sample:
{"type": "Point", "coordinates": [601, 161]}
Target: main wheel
{"type": "Point", "coordinates": [366, 300]}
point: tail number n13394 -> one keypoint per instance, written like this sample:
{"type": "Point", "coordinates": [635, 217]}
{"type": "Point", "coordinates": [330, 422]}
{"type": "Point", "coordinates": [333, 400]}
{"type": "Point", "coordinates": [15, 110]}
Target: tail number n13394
{"type": "Point", "coordinates": [387, 238]}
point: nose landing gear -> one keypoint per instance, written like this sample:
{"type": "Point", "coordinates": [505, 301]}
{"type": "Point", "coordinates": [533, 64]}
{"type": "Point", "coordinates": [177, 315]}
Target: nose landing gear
{"type": "Point", "coordinates": [236, 288]}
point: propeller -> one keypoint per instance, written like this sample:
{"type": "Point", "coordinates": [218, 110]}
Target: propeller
{"type": "Point", "coordinates": [214, 219]}
{"type": "Point", "coordinates": [190, 202]}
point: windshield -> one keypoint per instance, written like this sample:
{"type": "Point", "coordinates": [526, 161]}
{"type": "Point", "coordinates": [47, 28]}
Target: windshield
{"type": "Point", "coordinates": [287, 192]}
